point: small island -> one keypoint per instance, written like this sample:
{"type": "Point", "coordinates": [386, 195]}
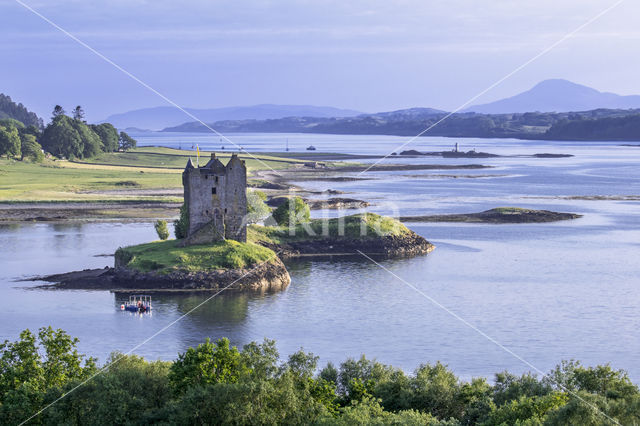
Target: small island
{"type": "Point", "coordinates": [497, 215]}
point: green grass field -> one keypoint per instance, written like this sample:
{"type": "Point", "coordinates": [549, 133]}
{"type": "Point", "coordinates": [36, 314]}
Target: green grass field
{"type": "Point", "coordinates": [86, 180]}
{"type": "Point", "coordinates": [167, 256]}
{"type": "Point", "coordinates": [176, 159]}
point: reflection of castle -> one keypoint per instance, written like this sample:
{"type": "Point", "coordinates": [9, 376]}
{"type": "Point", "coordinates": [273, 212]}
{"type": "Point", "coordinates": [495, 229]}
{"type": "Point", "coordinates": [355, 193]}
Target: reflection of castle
{"type": "Point", "coordinates": [216, 200]}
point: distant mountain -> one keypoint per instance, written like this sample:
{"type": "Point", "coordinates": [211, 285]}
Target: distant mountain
{"type": "Point", "coordinates": [160, 117]}
{"type": "Point", "coordinates": [558, 95]}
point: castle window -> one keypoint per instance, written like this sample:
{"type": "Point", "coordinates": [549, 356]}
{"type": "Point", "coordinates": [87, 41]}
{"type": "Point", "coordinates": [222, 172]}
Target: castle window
{"type": "Point", "coordinates": [216, 179]}
{"type": "Point", "coordinates": [213, 190]}
{"type": "Point", "coordinates": [225, 211]}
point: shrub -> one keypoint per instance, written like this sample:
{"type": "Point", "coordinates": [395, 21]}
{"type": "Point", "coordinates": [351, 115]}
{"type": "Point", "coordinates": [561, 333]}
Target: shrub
{"type": "Point", "coordinates": [181, 225]}
{"type": "Point", "coordinates": [292, 212]}
{"type": "Point", "coordinates": [161, 229]}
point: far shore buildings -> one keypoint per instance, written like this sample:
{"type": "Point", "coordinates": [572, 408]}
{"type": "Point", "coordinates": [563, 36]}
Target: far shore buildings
{"type": "Point", "coordinates": [216, 200]}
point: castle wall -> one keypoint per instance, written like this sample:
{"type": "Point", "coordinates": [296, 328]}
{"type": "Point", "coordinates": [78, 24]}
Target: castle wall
{"type": "Point", "coordinates": [216, 199]}
{"type": "Point", "coordinates": [236, 200]}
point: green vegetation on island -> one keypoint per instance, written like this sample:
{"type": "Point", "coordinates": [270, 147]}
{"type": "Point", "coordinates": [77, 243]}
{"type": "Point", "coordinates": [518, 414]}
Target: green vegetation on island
{"type": "Point", "coordinates": [163, 257]}
{"type": "Point", "coordinates": [364, 226]}
{"type": "Point", "coordinates": [217, 383]}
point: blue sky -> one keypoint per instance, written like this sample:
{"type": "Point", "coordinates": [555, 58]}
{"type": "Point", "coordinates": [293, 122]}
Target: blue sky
{"type": "Point", "coordinates": [367, 55]}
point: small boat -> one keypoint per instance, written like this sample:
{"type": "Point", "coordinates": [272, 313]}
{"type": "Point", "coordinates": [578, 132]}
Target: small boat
{"type": "Point", "coordinates": [311, 148]}
{"type": "Point", "coordinates": [137, 303]}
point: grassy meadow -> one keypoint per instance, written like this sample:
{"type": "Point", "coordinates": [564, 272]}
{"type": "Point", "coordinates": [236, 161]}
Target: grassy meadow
{"type": "Point", "coordinates": [98, 178]}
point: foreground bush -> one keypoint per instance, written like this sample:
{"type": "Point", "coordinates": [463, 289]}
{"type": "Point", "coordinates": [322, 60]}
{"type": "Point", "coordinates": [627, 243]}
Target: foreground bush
{"type": "Point", "coordinates": [216, 383]}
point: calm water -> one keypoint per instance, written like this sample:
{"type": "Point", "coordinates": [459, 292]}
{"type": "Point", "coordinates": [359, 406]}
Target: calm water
{"type": "Point", "coordinates": [547, 292]}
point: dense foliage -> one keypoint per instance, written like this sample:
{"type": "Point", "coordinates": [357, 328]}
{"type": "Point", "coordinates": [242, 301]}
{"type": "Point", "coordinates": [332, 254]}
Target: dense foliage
{"type": "Point", "coordinates": [108, 136]}
{"type": "Point", "coordinates": [181, 224]}
{"type": "Point", "coordinates": [161, 229]}
{"type": "Point", "coordinates": [21, 134]}
{"type": "Point", "coordinates": [19, 141]}
{"type": "Point", "coordinates": [292, 212]}
{"type": "Point", "coordinates": [9, 109]}
{"type": "Point", "coordinates": [126, 142]}
{"type": "Point", "coordinates": [216, 383]}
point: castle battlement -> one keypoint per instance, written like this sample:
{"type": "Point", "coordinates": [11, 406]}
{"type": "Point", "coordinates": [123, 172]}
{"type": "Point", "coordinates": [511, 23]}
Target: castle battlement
{"type": "Point", "coordinates": [216, 200]}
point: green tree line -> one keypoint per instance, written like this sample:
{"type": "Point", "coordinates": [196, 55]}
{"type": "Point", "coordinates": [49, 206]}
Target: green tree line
{"type": "Point", "coordinates": [64, 137]}
{"type": "Point", "coordinates": [216, 383]}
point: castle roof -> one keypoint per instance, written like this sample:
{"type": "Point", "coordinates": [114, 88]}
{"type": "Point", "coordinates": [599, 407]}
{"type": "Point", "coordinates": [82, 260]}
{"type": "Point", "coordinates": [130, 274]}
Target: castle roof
{"type": "Point", "coordinates": [235, 160]}
{"type": "Point", "coordinates": [189, 164]}
{"type": "Point", "coordinates": [214, 164]}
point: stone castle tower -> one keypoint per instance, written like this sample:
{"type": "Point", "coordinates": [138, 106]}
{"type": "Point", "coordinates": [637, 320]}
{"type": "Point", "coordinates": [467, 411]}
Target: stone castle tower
{"type": "Point", "coordinates": [216, 200]}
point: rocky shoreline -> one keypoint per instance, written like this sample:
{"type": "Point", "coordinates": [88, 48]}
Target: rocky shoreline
{"type": "Point", "coordinates": [266, 277]}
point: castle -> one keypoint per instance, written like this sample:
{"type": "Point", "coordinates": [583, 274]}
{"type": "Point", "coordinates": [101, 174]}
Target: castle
{"type": "Point", "coordinates": [216, 200]}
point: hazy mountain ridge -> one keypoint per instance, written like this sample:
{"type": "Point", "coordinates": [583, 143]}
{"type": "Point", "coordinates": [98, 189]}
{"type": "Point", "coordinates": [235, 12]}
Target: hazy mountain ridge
{"type": "Point", "coordinates": [531, 125]}
{"type": "Point", "coordinates": [168, 116]}
{"type": "Point", "coordinates": [558, 95]}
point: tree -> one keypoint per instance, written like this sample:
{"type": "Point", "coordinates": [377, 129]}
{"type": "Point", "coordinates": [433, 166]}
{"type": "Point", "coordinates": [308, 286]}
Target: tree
{"type": "Point", "coordinates": [208, 363]}
{"type": "Point", "coordinates": [78, 113]}
{"type": "Point", "coordinates": [57, 111]}
{"type": "Point", "coordinates": [9, 141]}
{"type": "Point", "coordinates": [91, 143]}
{"type": "Point", "coordinates": [32, 366]}
{"type": "Point", "coordinates": [31, 149]}
{"type": "Point", "coordinates": [127, 142]}
{"type": "Point", "coordinates": [108, 136]}
{"type": "Point", "coordinates": [292, 212]}
{"type": "Point", "coordinates": [66, 137]}
{"type": "Point", "coordinates": [257, 209]}
{"type": "Point", "coordinates": [10, 109]}
{"type": "Point", "coordinates": [161, 229]}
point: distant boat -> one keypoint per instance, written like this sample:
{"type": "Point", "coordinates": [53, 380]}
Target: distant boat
{"type": "Point", "coordinates": [311, 148]}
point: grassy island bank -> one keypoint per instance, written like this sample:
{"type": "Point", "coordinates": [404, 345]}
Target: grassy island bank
{"type": "Point", "coordinates": [165, 266]}
{"type": "Point", "coordinates": [368, 232]}
{"type": "Point", "coordinates": [164, 257]}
